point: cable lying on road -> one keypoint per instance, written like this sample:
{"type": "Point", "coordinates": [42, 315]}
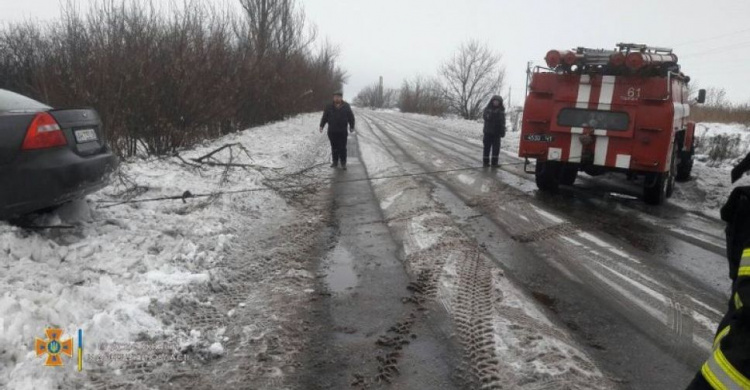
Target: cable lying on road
{"type": "Point", "coordinates": [188, 195]}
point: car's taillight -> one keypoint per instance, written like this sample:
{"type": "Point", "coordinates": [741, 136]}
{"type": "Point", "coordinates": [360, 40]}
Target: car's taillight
{"type": "Point", "coordinates": [44, 132]}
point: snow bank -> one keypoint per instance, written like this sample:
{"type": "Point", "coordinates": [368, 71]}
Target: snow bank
{"type": "Point", "coordinates": [719, 147]}
{"type": "Point", "coordinates": [106, 273]}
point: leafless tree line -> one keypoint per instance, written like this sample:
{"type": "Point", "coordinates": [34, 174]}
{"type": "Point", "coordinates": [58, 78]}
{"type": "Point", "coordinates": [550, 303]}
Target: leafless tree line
{"type": "Point", "coordinates": [423, 96]}
{"type": "Point", "coordinates": [465, 84]}
{"type": "Point", "coordinates": [377, 96]}
{"type": "Point", "coordinates": [169, 78]}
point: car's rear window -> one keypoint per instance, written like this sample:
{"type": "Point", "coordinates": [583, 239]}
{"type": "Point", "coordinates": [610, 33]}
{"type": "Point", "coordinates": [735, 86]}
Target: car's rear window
{"type": "Point", "coordinates": [13, 102]}
{"type": "Point", "coordinates": [605, 120]}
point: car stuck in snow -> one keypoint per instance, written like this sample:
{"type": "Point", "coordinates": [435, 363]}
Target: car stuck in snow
{"type": "Point", "coordinates": [48, 156]}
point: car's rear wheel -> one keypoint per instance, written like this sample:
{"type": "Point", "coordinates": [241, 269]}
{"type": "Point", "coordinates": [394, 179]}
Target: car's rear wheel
{"type": "Point", "coordinates": [547, 176]}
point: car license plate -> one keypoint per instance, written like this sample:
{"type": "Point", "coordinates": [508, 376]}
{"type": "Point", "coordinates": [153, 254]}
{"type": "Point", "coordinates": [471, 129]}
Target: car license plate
{"type": "Point", "coordinates": [539, 138]}
{"type": "Point", "coordinates": [86, 135]}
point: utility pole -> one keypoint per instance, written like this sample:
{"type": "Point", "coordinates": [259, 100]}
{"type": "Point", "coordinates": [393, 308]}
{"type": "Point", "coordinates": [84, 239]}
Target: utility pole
{"type": "Point", "coordinates": [381, 103]}
{"type": "Point", "coordinates": [510, 97]}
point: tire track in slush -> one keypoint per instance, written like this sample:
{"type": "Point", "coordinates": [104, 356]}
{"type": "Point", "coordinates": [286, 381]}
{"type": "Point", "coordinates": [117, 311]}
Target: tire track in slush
{"type": "Point", "coordinates": [473, 310]}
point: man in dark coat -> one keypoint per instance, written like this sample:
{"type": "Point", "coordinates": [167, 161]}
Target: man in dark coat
{"type": "Point", "coordinates": [339, 118]}
{"type": "Point", "coordinates": [494, 129]}
{"type": "Point", "coordinates": [728, 366]}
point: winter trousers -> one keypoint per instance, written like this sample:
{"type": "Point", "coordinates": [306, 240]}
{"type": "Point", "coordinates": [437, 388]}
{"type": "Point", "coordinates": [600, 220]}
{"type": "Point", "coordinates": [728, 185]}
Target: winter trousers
{"type": "Point", "coordinates": [491, 146]}
{"type": "Point", "coordinates": [338, 146]}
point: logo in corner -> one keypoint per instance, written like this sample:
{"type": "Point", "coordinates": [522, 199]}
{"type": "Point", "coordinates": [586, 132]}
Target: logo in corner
{"type": "Point", "coordinates": [54, 347]}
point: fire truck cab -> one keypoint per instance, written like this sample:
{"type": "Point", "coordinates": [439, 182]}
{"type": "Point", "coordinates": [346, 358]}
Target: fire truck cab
{"type": "Point", "coordinates": [624, 110]}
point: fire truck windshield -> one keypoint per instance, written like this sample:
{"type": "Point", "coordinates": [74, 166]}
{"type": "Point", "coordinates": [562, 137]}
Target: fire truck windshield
{"type": "Point", "coordinates": [604, 120]}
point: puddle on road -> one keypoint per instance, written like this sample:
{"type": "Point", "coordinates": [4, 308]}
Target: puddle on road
{"type": "Point", "coordinates": [339, 268]}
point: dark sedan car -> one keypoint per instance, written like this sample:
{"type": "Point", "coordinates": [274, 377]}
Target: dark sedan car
{"type": "Point", "coordinates": [48, 156]}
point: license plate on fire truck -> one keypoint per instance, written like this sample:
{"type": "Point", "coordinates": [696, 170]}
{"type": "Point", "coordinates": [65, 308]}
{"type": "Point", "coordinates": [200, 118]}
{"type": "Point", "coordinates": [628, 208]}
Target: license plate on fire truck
{"type": "Point", "coordinates": [85, 135]}
{"type": "Point", "coordinates": [539, 138]}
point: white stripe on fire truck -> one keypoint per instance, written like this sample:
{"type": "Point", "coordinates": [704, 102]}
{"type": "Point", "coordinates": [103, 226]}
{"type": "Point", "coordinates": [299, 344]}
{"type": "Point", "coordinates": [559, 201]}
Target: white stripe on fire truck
{"type": "Point", "coordinates": [601, 148]}
{"type": "Point", "coordinates": [584, 95]}
{"type": "Point", "coordinates": [623, 161]}
{"type": "Point", "coordinates": [607, 94]}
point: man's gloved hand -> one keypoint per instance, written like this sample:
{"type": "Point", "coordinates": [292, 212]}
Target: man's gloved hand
{"type": "Point", "coordinates": [351, 130]}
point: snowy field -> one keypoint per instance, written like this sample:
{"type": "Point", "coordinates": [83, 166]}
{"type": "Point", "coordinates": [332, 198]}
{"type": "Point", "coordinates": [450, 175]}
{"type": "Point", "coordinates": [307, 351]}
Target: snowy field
{"type": "Point", "coordinates": [115, 271]}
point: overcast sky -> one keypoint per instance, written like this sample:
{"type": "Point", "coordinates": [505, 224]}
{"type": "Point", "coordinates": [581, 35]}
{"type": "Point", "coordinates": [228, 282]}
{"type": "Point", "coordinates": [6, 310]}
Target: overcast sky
{"type": "Point", "coordinates": [402, 38]}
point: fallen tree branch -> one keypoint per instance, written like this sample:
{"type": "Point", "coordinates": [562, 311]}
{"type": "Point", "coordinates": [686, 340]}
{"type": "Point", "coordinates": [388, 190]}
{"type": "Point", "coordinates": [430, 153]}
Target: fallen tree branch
{"type": "Point", "coordinates": [200, 159]}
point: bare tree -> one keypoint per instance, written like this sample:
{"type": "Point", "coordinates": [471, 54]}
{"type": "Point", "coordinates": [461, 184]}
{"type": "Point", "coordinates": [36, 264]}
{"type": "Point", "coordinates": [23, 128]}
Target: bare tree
{"type": "Point", "coordinates": [422, 96]}
{"type": "Point", "coordinates": [471, 77]}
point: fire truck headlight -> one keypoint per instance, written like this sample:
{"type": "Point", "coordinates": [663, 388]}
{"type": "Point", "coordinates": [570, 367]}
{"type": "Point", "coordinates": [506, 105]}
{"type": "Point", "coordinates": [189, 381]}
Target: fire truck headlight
{"type": "Point", "coordinates": [554, 155]}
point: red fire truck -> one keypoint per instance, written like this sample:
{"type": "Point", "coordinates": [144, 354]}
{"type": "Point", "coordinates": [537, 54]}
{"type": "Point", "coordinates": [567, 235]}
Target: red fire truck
{"type": "Point", "coordinates": [597, 111]}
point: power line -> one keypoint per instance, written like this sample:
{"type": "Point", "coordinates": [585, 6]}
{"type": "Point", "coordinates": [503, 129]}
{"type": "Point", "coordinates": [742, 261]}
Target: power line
{"type": "Point", "coordinates": [188, 195]}
{"type": "Point", "coordinates": [712, 38]}
{"type": "Point", "coordinates": [717, 49]}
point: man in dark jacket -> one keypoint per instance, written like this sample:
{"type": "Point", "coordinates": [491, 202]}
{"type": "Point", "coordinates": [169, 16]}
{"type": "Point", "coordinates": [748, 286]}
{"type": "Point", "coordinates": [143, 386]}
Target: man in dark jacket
{"type": "Point", "coordinates": [494, 129]}
{"type": "Point", "coordinates": [728, 366]}
{"type": "Point", "coordinates": [339, 118]}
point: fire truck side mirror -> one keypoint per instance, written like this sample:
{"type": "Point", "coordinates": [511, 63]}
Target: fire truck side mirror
{"type": "Point", "coordinates": [701, 96]}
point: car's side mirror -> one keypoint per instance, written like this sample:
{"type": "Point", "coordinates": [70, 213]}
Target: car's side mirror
{"type": "Point", "coordinates": [701, 96]}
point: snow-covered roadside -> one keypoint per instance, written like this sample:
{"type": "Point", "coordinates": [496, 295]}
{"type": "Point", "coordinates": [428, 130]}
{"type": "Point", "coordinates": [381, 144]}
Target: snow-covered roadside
{"type": "Point", "coordinates": [719, 147]}
{"type": "Point", "coordinates": [107, 274]}
{"type": "Point", "coordinates": [508, 340]}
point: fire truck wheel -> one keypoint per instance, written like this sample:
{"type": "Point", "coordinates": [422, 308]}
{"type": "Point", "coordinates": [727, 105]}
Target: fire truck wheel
{"type": "Point", "coordinates": [568, 174]}
{"type": "Point", "coordinates": [655, 188]}
{"type": "Point", "coordinates": [685, 166]}
{"type": "Point", "coordinates": [672, 174]}
{"type": "Point", "coordinates": [547, 176]}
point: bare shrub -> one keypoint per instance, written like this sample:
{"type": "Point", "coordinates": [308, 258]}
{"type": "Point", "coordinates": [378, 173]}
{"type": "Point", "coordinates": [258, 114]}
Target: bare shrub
{"type": "Point", "coordinates": [168, 78]}
{"type": "Point", "coordinates": [470, 78]}
{"type": "Point", "coordinates": [422, 96]}
{"type": "Point", "coordinates": [721, 147]}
